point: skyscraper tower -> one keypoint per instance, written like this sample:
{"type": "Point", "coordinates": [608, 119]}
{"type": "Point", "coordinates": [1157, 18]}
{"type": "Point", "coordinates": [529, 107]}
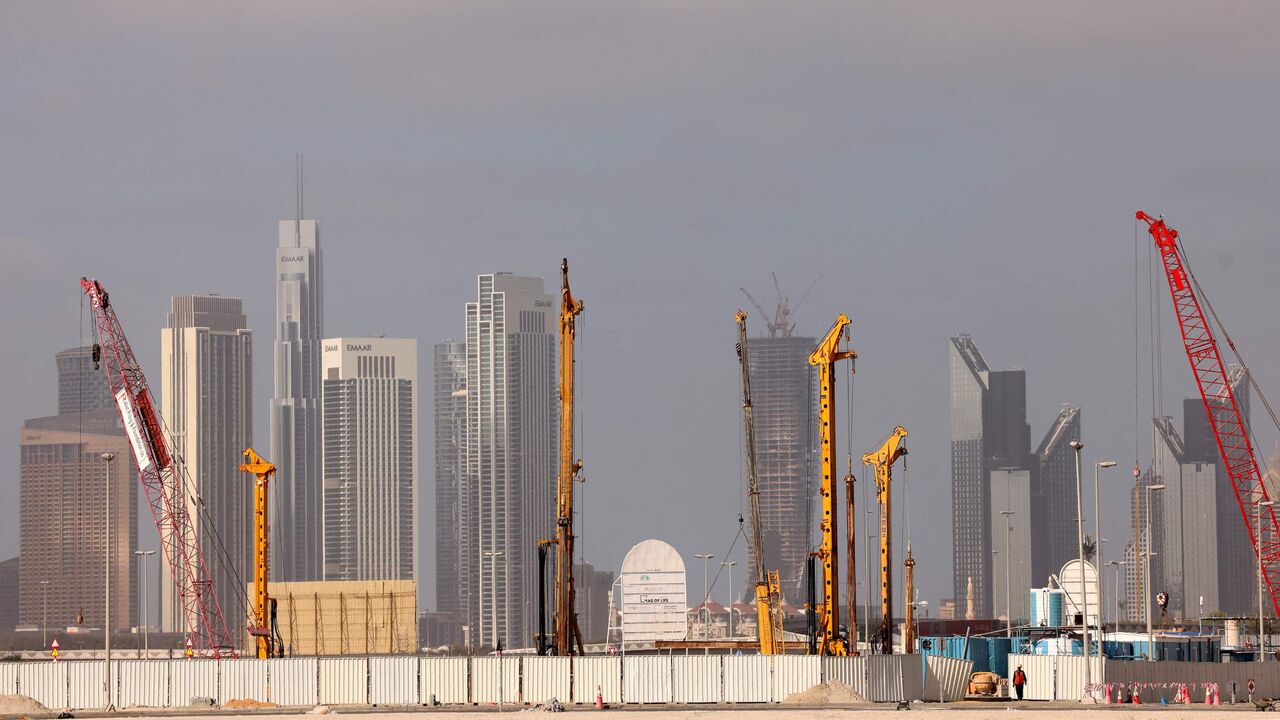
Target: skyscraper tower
{"type": "Point", "coordinates": [295, 408]}
{"type": "Point", "coordinates": [1054, 514]}
{"type": "Point", "coordinates": [206, 354]}
{"type": "Point", "coordinates": [80, 385]}
{"type": "Point", "coordinates": [370, 458]}
{"type": "Point", "coordinates": [450, 406]}
{"type": "Point", "coordinates": [511, 454]}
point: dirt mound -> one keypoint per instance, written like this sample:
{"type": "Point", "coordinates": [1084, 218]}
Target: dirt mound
{"type": "Point", "coordinates": [18, 704]}
{"type": "Point", "coordinates": [830, 693]}
{"type": "Point", "coordinates": [245, 703]}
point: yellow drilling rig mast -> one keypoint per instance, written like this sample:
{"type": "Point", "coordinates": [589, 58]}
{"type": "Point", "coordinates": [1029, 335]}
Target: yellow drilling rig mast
{"type": "Point", "coordinates": [882, 461]}
{"type": "Point", "coordinates": [262, 625]}
{"type": "Point", "coordinates": [825, 356]}
{"type": "Point", "coordinates": [567, 634]}
{"type": "Point", "coordinates": [768, 587]}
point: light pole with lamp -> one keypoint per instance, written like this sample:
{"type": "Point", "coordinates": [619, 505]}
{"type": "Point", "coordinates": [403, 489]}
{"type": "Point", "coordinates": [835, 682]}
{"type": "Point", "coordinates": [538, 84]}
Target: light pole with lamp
{"type": "Point", "coordinates": [1115, 577]}
{"type": "Point", "coordinates": [1084, 587]}
{"type": "Point", "coordinates": [1097, 533]}
{"type": "Point", "coordinates": [706, 590]}
{"type": "Point", "coordinates": [1146, 571]}
{"type": "Point", "coordinates": [1008, 608]}
{"type": "Point", "coordinates": [729, 564]}
{"type": "Point", "coordinates": [106, 620]}
{"type": "Point", "coordinates": [146, 630]}
{"type": "Point", "coordinates": [1262, 634]}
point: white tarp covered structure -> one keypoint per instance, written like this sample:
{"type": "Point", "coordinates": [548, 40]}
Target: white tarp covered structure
{"type": "Point", "coordinates": [654, 597]}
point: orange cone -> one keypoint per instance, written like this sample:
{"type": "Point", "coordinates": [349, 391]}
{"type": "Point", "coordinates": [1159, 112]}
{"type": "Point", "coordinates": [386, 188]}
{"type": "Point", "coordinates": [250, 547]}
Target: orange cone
{"type": "Point", "coordinates": [1137, 695]}
{"type": "Point", "coordinates": [599, 699]}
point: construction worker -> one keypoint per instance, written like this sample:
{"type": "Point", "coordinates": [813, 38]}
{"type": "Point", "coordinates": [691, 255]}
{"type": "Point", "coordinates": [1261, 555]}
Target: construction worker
{"type": "Point", "coordinates": [1019, 680]}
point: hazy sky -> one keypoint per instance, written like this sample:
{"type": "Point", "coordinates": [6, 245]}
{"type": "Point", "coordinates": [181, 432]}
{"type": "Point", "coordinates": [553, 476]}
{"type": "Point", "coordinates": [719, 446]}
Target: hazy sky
{"type": "Point", "coordinates": [947, 167]}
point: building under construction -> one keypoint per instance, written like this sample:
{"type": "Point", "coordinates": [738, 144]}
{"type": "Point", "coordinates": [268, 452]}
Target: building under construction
{"type": "Point", "coordinates": [373, 617]}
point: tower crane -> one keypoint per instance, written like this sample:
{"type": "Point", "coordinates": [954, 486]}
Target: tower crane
{"type": "Point", "coordinates": [881, 461]}
{"type": "Point", "coordinates": [161, 479]}
{"type": "Point", "coordinates": [825, 357]}
{"type": "Point", "coordinates": [263, 623]}
{"type": "Point", "coordinates": [567, 633]}
{"type": "Point", "coordinates": [768, 587]}
{"type": "Point", "coordinates": [1225, 418]}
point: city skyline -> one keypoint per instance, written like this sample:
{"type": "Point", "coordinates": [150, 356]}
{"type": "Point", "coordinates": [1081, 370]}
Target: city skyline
{"type": "Point", "coordinates": [985, 185]}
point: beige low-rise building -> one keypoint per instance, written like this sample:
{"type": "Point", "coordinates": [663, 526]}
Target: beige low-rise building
{"type": "Point", "coordinates": [357, 617]}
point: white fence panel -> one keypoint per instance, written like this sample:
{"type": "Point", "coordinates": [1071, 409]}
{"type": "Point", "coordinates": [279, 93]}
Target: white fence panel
{"type": "Point", "coordinates": [344, 680]}
{"type": "Point", "coordinates": [696, 678]}
{"type": "Point", "coordinates": [794, 674]}
{"type": "Point", "coordinates": [545, 678]}
{"type": "Point", "coordinates": [590, 673]}
{"type": "Point", "coordinates": [191, 678]}
{"type": "Point", "coordinates": [87, 680]}
{"type": "Point", "coordinates": [646, 679]}
{"type": "Point", "coordinates": [495, 679]}
{"type": "Point", "coordinates": [243, 679]}
{"type": "Point", "coordinates": [8, 678]}
{"type": "Point", "coordinates": [293, 681]}
{"type": "Point", "coordinates": [747, 678]}
{"type": "Point", "coordinates": [44, 682]}
{"type": "Point", "coordinates": [446, 679]}
{"type": "Point", "coordinates": [393, 680]}
{"type": "Point", "coordinates": [143, 683]}
{"type": "Point", "coordinates": [1041, 673]}
{"type": "Point", "coordinates": [947, 679]}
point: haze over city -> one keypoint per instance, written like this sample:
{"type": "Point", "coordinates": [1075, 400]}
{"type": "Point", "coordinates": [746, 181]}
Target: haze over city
{"type": "Point", "coordinates": [944, 169]}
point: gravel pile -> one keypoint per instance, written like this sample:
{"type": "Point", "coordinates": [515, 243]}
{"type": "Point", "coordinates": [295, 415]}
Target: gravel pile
{"type": "Point", "coordinates": [19, 704]}
{"type": "Point", "coordinates": [831, 693]}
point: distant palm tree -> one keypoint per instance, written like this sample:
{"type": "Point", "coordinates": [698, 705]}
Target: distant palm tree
{"type": "Point", "coordinates": [1090, 548]}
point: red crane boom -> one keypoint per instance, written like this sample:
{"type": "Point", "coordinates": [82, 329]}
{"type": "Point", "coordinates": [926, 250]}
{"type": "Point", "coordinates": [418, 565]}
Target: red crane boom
{"type": "Point", "coordinates": [206, 628]}
{"type": "Point", "coordinates": [1220, 403]}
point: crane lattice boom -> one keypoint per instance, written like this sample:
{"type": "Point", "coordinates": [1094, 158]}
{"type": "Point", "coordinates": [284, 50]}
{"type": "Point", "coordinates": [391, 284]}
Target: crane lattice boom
{"type": "Point", "coordinates": [161, 479]}
{"type": "Point", "coordinates": [1225, 418]}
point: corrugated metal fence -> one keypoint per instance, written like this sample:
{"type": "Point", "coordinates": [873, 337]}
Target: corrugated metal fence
{"type": "Point", "coordinates": [410, 680]}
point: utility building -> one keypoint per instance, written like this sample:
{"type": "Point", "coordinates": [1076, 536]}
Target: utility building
{"type": "Point", "coordinates": [296, 515]}
{"type": "Point", "coordinates": [370, 458]}
{"type": "Point", "coordinates": [784, 393]}
{"type": "Point", "coordinates": [206, 355]}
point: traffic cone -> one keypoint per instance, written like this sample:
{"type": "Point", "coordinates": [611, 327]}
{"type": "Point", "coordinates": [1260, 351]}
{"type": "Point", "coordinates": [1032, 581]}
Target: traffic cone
{"type": "Point", "coordinates": [1137, 695]}
{"type": "Point", "coordinates": [1217, 694]}
{"type": "Point", "coordinates": [599, 699]}
{"type": "Point", "coordinates": [1106, 695]}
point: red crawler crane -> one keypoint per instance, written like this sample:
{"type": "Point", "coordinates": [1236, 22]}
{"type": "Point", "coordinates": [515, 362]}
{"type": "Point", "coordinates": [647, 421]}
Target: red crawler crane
{"type": "Point", "coordinates": [206, 628]}
{"type": "Point", "coordinates": [1220, 403]}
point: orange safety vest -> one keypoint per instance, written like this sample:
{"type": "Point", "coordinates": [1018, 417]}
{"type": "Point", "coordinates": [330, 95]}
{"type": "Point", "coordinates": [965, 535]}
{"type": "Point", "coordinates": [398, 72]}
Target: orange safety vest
{"type": "Point", "coordinates": [1019, 678]}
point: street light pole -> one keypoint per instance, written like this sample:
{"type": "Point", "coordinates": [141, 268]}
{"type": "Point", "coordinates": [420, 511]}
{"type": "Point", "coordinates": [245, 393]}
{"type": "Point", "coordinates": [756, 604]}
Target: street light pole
{"type": "Point", "coordinates": [146, 630]}
{"type": "Point", "coordinates": [493, 556]}
{"type": "Point", "coordinates": [106, 621]}
{"type": "Point", "coordinates": [1146, 574]}
{"type": "Point", "coordinates": [1008, 608]}
{"type": "Point", "coordinates": [1097, 534]}
{"type": "Point", "coordinates": [1084, 588]}
{"type": "Point", "coordinates": [1262, 635]}
{"type": "Point", "coordinates": [706, 590]}
{"type": "Point", "coordinates": [1115, 577]}
{"type": "Point", "coordinates": [729, 564]}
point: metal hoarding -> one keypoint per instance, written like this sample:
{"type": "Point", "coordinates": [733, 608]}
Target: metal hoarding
{"type": "Point", "coordinates": [592, 673]}
{"type": "Point", "coordinates": [86, 681]}
{"type": "Point", "coordinates": [393, 680]}
{"type": "Point", "coordinates": [191, 678]}
{"type": "Point", "coordinates": [646, 679]}
{"type": "Point", "coordinates": [1042, 676]}
{"type": "Point", "coordinates": [794, 674]}
{"type": "Point", "coordinates": [747, 678]}
{"type": "Point", "coordinates": [443, 679]}
{"type": "Point", "coordinates": [243, 679]}
{"type": "Point", "coordinates": [887, 677]}
{"type": "Point", "coordinates": [695, 678]}
{"type": "Point", "coordinates": [344, 680]}
{"type": "Point", "coordinates": [545, 678]}
{"type": "Point", "coordinates": [495, 680]}
{"type": "Point", "coordinates": [912, 669]}
{"type": "Point", "coordinates": [293, 681]}
{"type": "Point", "coordinates": [947, 679]}
{"type": "Point", "coordinates": [143, 683]}
{"type": "Point", "coordinates": [44, 682]}
{"type": "Point", "coordinates": [8, 678]}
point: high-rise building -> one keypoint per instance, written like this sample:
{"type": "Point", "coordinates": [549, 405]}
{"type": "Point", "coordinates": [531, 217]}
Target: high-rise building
{"type": "Point", "coordinates": [9, 584]}
{"type": "Point", "coordinates": [296, 547]}
{"type": "Point", "coordinates": [511, 454]}
{"type": "Point", "coordinates": [1187, 552]}
{"type": "Point", "coordinates": [369, 450]}
{"type": "Point", "coordinates": [450, 402]}
{"type": "Point", "coordinates": [1143, 581]}
{"type": "Point", "coordinates": [206, 358]}
{"type": "Point", "coordinates": [64, 519]}
{"type": "Point", "coordinates": [592, 601]}
{"type": "Point", "coordinates": [1011, 492]}
{"type": "Point", "coordinates": [1054, 513]}
{"type": "Point", "coordinates": [784, 394]}
{"type": "Point", "coordinates": [80, 385]}
{"type": "Point", "coordinates": [989, 431]}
